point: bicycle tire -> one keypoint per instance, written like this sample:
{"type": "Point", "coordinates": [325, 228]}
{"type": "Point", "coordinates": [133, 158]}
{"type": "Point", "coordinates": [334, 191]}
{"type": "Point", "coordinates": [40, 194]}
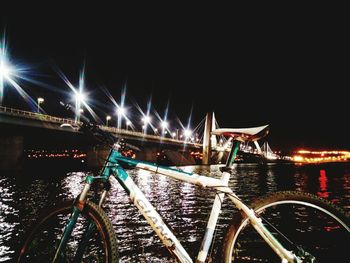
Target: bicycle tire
{"type": "Point", "coordinates": [54, 219]}
{"type": "Point", "coordinates": [332, 225]}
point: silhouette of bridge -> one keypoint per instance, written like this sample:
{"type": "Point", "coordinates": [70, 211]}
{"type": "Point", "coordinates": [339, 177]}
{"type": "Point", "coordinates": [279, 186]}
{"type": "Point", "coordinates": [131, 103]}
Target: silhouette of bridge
{"type": "Point", "coordinates": [27, 118]}
{"type": "Point", "coordinates": [206, 143]}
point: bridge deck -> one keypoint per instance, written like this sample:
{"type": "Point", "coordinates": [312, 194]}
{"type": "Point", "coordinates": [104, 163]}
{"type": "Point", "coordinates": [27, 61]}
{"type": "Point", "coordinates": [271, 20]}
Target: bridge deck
{"type": "Point", "coordinates": [122, 132]}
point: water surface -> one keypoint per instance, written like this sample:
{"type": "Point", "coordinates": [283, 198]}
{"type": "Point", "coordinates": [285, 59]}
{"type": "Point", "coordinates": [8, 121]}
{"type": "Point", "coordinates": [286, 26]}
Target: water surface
{"type": "Point", "coordinates": [184, 207]}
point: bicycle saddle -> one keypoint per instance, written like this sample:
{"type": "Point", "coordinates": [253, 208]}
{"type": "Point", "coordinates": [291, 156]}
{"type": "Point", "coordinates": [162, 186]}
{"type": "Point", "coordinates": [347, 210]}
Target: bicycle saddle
{"type": "Point", "coordinates": [243, 134]}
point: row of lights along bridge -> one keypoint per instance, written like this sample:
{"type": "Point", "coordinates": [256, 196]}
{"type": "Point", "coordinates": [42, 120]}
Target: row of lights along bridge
{"type": "Point", "coordinates": [121, 113]}
{"type": "Point", "coordinates": [10, 73]}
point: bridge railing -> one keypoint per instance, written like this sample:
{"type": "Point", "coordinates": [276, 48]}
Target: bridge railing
{"type": "Point", "coordinates": [146, 136]}
{"type": "Point", "coordinates": [34, 115]}
{"type": "Point", "coordinates": [53, 119]}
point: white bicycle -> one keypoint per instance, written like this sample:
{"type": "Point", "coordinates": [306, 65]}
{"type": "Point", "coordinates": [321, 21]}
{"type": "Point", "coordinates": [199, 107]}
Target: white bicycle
{"type": "Point", "coordinates": [282, 227]}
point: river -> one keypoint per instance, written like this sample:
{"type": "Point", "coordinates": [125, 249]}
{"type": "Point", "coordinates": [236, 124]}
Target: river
{"type": "Point", "coordinates": [184, 207]}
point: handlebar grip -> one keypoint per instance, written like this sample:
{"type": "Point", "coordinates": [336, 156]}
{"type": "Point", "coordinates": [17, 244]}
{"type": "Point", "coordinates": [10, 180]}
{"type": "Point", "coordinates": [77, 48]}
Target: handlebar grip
{"type": "Point", "coordinates": [92, 129]}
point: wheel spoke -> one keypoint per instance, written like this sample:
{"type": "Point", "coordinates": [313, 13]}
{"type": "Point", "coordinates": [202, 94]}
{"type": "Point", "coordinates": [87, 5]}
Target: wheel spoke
{"type": "Point", "coordinates": [313, 228]}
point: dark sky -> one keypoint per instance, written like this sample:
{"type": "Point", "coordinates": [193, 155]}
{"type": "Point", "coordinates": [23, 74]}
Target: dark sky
{"type": "Point", "coordinates": [287, 69]}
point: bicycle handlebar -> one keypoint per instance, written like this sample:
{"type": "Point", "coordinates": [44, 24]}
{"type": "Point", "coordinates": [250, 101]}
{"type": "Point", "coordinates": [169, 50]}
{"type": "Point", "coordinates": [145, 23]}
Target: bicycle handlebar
{"type": "Point", "coordinates": [100, 135]}
{"type": "Point", "coordinates": [92, 129]}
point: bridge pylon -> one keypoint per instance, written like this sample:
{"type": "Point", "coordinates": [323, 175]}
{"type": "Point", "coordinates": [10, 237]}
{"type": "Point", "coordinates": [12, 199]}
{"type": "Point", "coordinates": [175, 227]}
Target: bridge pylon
{"type": "Point", "coordinates": [207, 139]}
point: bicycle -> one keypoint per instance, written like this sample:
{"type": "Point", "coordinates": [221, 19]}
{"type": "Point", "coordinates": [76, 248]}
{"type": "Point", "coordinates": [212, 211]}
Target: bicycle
{"type": "Point", "coordinates": [282, 227]}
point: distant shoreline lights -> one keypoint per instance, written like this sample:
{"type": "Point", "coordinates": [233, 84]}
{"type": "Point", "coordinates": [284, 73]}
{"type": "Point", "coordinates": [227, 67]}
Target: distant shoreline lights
{"type": "Point", "coordinates": [305, 156]}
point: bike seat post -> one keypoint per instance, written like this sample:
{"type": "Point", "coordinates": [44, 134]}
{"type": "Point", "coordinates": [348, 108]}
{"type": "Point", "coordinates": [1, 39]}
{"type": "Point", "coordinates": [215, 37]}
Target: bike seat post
{"type": "Point", "coordinates": [233, 153]}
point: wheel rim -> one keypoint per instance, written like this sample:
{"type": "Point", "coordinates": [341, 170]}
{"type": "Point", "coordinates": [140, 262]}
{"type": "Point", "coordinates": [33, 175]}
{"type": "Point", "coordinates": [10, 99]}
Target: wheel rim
{"type": "Point", "coordinates": [333, 225]}
{"type": "Point", "coordinates": [42, 245]}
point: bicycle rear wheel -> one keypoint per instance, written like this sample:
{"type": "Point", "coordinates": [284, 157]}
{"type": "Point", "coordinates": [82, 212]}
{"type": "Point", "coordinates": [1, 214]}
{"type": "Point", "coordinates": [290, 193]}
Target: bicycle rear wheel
{"type": "Point", "coordinates": [42, 240]}
{"type": "Point", "coordinates": [306, 222]}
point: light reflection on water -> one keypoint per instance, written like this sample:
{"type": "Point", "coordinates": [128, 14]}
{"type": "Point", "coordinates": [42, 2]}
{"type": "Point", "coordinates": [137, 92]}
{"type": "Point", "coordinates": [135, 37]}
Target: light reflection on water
{"type": "Point", "coordinates": [184, 207]}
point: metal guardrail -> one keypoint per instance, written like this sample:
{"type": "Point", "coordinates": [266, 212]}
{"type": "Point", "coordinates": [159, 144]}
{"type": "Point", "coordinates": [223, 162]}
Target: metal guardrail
{"type": "Point", "coordinates": [35, 116]}
{"type": "Point", "coordinates": [49, 118]}
{"type": "Point", "coordinates": [146, 136]}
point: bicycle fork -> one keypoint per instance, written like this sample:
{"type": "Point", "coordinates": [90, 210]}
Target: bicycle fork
{"type": "Point", "coordinates": [71, 223]}
{"type": "Point", "coordinates": [90, 226]}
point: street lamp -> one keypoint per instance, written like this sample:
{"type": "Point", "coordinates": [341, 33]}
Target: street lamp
{"type": "Point", "coordinates": [79, 99]}
{"type": "Point", "coordinates": [146, 120]}
{"type": "Point", "coordinates": [107, 119]}
{"type": "Point", "coordinates": [128, 123]}
{"type": "Point", "coordinates": [121, 112]}
{"type": "Point", "coordinates": [164, 125]}
{"type": "Point", "coordinates": [5, 71]}
{"type": "Point", "coordinates": [187, 133]}
{"type": "Point", "coordinates": [40, 100]}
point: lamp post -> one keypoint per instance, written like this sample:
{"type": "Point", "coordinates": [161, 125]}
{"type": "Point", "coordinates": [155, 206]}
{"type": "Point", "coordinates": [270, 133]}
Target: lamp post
{"type": "Point", "coordinates": [164, 125]}
{"type": "Point", "coordinates": [79, 99]}
{"type": "Point", "coordinates": [121, 112]}
{"type": "Point", "coordinates": [146, 121]}
{"type": "Point", "coordinates": [128, 123]}
{"type": "Point", "coordinates": [5, 71]}
{"type": "Point", "coordinates": [187, 134]}
{"type": "Point", "coordinates": [40, 100]}
{"type": "Point", "coordinates": [107, 119]}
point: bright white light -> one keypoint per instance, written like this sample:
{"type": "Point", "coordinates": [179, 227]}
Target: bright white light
{"type": "Point", "coordinates": [146, 119]}
{"type": "Point", "coordinates": [121, 111]}
{"type": "Point", "coordinates": [187, 133]}
{"type": "Point", "coordinates": [5, 70]}
{"type": "Point", "coordinates": [128, 123]}
{"type": "Point", "coordinates": [81, 110]}
{"type": "Point", "coordinates": [9, 72]}
{"type": "Point", "coordinates": [173, 134]}
{"type": "Point", "coordinates": [108, 118]}
{"type": "Point", "coordinates": [164, 124]}
{"type": "Point", "coordinates": [80, 97]}
{"type": "Point", "coordinates": [155, 129]}
{"type": "Point", "coordinates": [40, 100]}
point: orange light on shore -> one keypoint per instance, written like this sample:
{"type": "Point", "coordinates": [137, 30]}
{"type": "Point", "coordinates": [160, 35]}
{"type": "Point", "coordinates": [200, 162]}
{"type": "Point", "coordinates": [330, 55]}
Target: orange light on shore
{"type": "Point", "coordinates": [298, 158]}
{"type": "Point", "coordinates": [305, 156]}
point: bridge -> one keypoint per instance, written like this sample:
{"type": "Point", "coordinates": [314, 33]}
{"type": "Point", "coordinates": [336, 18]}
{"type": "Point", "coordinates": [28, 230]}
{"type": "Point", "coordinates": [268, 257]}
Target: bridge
{"type": "Point", "coordinates": [33, 119]}
{"type": "Point", "coordinates": [26, 130]}
{"type": "Point", "coordinates": [20, 130]}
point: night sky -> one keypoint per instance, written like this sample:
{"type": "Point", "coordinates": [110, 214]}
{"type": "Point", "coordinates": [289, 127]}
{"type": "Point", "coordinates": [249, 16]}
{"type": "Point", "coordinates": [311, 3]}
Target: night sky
{"type": "Point", "coordinates": [289, 70]}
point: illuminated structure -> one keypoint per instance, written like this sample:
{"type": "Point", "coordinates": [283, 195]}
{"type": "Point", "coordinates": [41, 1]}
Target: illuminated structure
{"type": "Point", "coordinates": [305, 156]}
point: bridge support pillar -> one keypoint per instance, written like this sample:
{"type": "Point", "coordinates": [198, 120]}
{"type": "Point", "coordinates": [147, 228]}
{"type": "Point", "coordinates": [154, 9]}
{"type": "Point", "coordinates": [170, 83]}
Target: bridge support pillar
{"type": "Point", "coordinates": [96, 156]}
{"type": "Point", "coordinates": [180, 157]}
{"type": "Point", "coordinates": [206, 140]}
{"type": "Point", "coordinates": [11, 151]}
{"type": "Point", "coordinates": [148, 154]}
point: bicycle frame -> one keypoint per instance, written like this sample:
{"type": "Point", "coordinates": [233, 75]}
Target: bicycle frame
{"type": "Point", "coordinates": [113, 168]}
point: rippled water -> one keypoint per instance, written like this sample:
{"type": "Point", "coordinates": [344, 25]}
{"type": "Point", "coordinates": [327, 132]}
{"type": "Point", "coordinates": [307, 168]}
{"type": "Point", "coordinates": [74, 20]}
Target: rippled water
{"type": "Point", "coordinates": [184, 207]}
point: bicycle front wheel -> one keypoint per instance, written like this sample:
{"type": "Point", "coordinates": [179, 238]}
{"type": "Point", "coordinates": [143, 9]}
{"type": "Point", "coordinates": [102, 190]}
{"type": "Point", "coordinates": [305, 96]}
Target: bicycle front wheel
{"type": "Point", "coordinates": [42, 240]}
{"type": "Point", "coordinates": [311, 227]}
